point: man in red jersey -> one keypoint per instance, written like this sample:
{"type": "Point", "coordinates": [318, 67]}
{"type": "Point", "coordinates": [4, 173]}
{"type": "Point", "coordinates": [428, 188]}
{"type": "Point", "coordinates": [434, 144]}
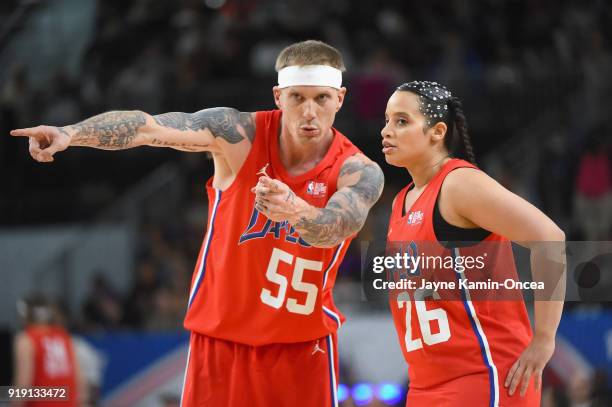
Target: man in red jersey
{"type": "Point", "coordinates": [260, 311]}
{"type": "Point", "coordinates": [44, 355]}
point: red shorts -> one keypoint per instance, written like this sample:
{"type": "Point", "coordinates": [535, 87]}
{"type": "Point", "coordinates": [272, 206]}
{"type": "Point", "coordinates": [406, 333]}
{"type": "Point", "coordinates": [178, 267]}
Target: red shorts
{"type": "Point", "coordinates": [474, 391]}
{"type": "Point", "coordinates": [228, 374]}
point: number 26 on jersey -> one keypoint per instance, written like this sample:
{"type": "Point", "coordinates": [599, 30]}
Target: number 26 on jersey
{"type": "Point", "coordinates": [425, 317]}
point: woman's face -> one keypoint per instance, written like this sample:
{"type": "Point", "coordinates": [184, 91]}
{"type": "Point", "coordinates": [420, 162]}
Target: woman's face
{"type": "Point", "coordinates": [406, 140]}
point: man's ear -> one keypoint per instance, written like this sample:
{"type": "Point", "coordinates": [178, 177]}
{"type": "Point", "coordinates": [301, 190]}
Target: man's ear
{"type": "Point", "coordinates": [341, 95]}
{"type": "Point", "coordinates": [276, 91]}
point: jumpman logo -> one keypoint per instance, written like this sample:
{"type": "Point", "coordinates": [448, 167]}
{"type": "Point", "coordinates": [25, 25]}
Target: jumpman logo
{"type": "Point", "coordinates": [317, 348]}
{"type": "Point", "coordinates": [263, 171]}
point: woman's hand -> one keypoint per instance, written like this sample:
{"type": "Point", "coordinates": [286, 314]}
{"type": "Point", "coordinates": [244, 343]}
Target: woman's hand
{"type": "Point", "coordinates": [531, 363]}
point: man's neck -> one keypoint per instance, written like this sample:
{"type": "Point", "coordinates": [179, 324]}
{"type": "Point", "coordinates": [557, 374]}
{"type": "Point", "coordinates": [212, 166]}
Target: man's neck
{"type": "Point", "coordinates": [300, 155]}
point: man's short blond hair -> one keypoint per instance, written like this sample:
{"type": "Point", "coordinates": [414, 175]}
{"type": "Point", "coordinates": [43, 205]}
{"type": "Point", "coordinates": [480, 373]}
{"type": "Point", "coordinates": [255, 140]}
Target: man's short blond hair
{"type": "Point", "coordinates": [310, 52]}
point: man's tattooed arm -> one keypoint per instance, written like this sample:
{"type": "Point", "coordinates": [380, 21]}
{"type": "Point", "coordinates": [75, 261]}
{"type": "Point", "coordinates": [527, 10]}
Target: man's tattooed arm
{"type": "Point", "coordinates": [360, 184]}
{"type": "Point", "coordinates": [183, 131]}
{"type": "Point", "coordinates": [229, 124]}
{"type": "Point", "coordinates": [110, 131]}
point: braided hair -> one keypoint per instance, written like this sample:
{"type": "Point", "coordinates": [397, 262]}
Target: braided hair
{"type": "Point", "coordinates": [437, 104]}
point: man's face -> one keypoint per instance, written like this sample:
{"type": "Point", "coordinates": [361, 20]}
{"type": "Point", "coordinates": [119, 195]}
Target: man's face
{"type": "Point", "coordinates": [309, 111]}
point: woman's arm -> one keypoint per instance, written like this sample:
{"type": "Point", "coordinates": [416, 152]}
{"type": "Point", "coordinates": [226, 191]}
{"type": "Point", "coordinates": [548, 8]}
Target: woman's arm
{"type": "Point", "coordinates": [470, 198]}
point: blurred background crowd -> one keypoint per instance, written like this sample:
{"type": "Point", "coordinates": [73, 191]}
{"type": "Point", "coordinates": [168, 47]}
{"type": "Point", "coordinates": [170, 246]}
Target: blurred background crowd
{"type": "Point", "coordinates": [534, 76]}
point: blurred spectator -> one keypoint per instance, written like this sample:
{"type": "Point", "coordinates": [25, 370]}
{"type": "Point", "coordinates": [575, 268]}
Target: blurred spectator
{"type": "Point", "coordinates": [596, 64]}
{"type": "Point", "coordinates": [102, 308]}
{"type": "Point", "coordinates": [602, 393]}
{"type": "Point", "coordinates": [168, 310]}
{"type": "Point", "coordinates": [375, 81]}
{"type": "Point", "coordinates": [551, 397]}
{"type": "Point", "coordinates": [588, 390]}
{"type": "Point", "coordinates": [61, 101]}
{"type": "Point", "coordinates": [593, 199]}
{"type": "Point", "coordinates": [140, 86]}
{"type": "Point", "coordinates": [553, 173]}
{"type": "Point", "coordinates": [140, 299]}
{"type": "Point", "coordinates": [18, 95]}
{"type": "Point", "coordinates": [91, 363]}
{"type": "Point", "coordinates": [580, 390]}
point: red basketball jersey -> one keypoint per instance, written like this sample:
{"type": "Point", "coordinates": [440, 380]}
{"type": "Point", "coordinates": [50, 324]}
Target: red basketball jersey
{"type": "Point", "coordinates": [54, 362]}
{"type": "Point", "coordinates": [256, 281]}
{"type": "Point", "coordinates": [458, 332]}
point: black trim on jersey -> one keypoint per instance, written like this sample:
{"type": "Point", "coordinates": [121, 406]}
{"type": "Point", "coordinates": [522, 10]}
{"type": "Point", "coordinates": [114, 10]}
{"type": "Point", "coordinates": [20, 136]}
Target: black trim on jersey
{"type": "Point", "coordinates": [447, 234]}
{"type": "Point", "coordinates": [454, 236]}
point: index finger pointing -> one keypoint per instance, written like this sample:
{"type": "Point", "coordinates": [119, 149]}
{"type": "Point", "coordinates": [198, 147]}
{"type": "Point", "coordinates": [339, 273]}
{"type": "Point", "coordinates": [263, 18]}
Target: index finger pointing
{"type": "Point", "coordinates": [35, 132]}
{"type": "Point", "coordinates": [20, 133]}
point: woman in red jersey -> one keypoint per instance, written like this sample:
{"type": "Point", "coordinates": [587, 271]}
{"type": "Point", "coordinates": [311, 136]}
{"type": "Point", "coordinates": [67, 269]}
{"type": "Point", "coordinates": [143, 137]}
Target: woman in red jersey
{"type": "Point", "coordinates": [463, 349]}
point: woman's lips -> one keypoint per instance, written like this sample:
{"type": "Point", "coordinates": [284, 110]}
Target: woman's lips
{"type": "Point", "coordinates": [387, 147]}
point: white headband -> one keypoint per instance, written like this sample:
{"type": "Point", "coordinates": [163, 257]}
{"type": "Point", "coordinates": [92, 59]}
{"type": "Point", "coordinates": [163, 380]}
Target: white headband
{"type": "Point", "coordinates": [310, 75]}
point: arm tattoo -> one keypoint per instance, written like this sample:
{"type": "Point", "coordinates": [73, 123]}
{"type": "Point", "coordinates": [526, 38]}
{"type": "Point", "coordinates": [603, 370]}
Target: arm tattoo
{"type": "Point", "coordinates": [64, 132]}
{"type": "Point", "coordinates": [112, 130]}
{"type": "Point", "coordinates": [181, 146]}
{"type": "Point", "coordinates": [347, 209]}
{"type": "Point", "coordinates": [229, 124]}
{"type": "Point", "coordinates": [371, 179]}
{"type": "Point", "coordinates": [179, 121]}
{"type": "Point", "coordinates": [290, 196]}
